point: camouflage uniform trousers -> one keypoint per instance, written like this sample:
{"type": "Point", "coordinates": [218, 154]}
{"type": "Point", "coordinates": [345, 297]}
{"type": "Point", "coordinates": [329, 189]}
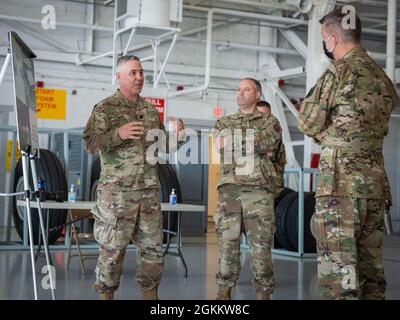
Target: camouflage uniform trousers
{"type": "Point", "coordinates": [349, 235]}
{"type": "Point", "coordinates": [122, 215]}
{"type": "Point", "coordinates": [255, 207]}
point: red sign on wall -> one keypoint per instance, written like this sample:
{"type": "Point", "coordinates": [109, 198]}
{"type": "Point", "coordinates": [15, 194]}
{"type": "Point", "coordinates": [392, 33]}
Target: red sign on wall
{"type": "Point", "coordinates": [218, 112]}
{"type": "Point", "coordinates": [159, 104]}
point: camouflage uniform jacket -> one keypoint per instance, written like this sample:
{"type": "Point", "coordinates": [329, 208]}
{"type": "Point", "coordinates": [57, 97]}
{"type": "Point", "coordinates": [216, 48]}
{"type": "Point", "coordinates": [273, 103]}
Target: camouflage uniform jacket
{"type": "Point", "coordinates": [280, 162]}
{"type": "Point", "coordinates": [351, 103]}
{"type": "Point", "coordinates": [267, 138]}
{"type": "Point", "coordinates": [123, 162]}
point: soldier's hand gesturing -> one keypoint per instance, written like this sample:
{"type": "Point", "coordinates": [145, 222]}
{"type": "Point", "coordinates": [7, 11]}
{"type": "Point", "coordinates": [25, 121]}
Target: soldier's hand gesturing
{"type": "Point", "coordinates": [179, 127]}
{"type": "Point", "coordinates": [133, 130]}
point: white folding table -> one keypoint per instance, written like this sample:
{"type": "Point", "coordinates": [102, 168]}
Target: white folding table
{"type": "Point", "coordinates": [88, 205]}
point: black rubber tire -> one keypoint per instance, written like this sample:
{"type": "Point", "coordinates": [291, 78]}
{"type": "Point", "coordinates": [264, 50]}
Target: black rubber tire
{"type": "Point", "coordinates": [282, 194]}
{"type": "Point", "coordinates": [96, 168]}
{"type": "Point", "coordinates": [169, 180]}
{"type": "Point", "coordinates": [93, 191]}
{"type": "Point", "coordinates": [177, 186]}
{"type": "Point", "coordinates": [94, 182]}
{"type": "Point", "coordinates": [292, 223]}
{"type": "Point", "coordinates": [280, 219]}
{"type": "Point", "coordinates": [60, 174]}
{"type": "Point", "coordinates": [312, 226]}
{"type": "Point", "coordinates": [49, 168]}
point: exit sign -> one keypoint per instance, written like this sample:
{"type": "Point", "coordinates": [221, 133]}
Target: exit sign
{"type": "Point", "coordinates": [218, 112]}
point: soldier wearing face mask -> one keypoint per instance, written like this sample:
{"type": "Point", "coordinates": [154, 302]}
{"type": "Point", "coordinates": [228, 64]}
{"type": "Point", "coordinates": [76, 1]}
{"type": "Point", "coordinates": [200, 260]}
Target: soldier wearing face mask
{"type": "Point", "coordinates": [348, 112]}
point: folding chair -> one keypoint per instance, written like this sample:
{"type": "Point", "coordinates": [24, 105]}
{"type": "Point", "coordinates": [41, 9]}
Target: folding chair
{"type": "Point", "coordinates": [75, 214]}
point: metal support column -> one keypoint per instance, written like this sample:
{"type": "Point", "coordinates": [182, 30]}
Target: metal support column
{"type": "Point", "coordinates": [391, 40]}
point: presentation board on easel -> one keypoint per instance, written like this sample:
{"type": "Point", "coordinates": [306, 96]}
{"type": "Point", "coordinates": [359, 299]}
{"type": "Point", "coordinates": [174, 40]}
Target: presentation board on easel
{"type": "Point", "coordinates": [24, 94]}
{"type": "Point", "coordinates": [28, 137]}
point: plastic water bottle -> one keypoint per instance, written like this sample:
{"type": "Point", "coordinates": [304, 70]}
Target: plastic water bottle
{"type": "Point", "coordinates": [172, 197]}
{"type": "Point", "coordinates": [78, 186]}
{"type": "Point", "coordinates": [41, 185]}
{"type": "Point", "coordinates": [72, 194]}
{"type": "Point", "coordinates": [41, 189]}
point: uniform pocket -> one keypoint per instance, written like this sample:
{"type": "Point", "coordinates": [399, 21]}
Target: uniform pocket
{"type": "Point", "coordinates": [109, 205]}
{"type": "Point", "coordinates": [318, 222]}
{"type": "Point", "coordinates": [228, 214]}
{"type": "Point", "coordinates": [365, 178]}
{"type": "Point", "coordinates": [267, 167]}
{"type": "Point", "coordinates": [228, 227]}
{"type": "Point", "coordinates": [150, 202]}
{"type": "Point", "coordinates": [104, 216]}
{"type": "Point", "coordinates": [326, 172]}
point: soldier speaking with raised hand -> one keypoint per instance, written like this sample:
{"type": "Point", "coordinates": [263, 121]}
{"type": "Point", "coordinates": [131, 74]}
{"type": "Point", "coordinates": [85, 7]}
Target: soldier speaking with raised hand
{"type": "Point", "coordinates": [128, 198]}
{"type": "Point", "coordinates": [347, 112]}
{"type": "Point", "coordinates": [246, 196]}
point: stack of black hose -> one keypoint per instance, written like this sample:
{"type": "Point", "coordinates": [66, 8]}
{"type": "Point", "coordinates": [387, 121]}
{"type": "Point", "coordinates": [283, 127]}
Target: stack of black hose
{"type": "Point", "coordinates": [286, 220]}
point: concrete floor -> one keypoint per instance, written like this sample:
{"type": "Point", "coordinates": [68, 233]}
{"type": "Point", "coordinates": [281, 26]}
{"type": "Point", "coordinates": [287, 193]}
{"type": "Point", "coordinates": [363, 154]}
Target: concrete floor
{"type": "Point", "coordinates": [295, 279]}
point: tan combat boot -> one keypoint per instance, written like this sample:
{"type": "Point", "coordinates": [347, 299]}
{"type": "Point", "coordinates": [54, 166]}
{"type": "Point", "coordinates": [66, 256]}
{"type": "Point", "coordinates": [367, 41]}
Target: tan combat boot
{"type": "Point", "coordinates": [150, 294]}
{"type": "Point", "coordinates": [224, 293]}
{"type": "Point", "coordinates": [107, 296]}
{"type": "Point", "coordinates": [263, 295]}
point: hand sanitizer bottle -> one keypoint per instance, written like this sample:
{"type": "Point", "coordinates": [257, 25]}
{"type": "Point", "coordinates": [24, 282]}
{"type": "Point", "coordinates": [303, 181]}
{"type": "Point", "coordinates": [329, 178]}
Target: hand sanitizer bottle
{"type": "Point", "coordinates": [72, 194]}
{"type": "Point", "coordinates": [172, 197]}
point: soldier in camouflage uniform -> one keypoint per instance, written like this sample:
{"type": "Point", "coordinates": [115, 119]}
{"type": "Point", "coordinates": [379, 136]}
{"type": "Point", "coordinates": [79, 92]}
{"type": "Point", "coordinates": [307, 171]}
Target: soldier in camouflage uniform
{"type": "Point", "coordinates": [347, 112]}
{"type": "Point", "coordinates": [128, 201]}
{"type": "Point", "coordinates": [247, 197]}
{"type": "Point", "coordinates": [280, 159]}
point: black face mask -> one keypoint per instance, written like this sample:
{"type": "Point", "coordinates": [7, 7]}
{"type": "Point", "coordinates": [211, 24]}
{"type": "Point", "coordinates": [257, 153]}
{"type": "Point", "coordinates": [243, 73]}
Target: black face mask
{"type": "Point", "coordinates": [327, 53]}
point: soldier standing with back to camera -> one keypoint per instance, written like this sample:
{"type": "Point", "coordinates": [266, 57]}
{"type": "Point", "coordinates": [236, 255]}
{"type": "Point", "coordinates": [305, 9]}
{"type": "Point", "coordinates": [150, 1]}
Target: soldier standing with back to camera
{"type": "Point", "coordinates": [347, 112]}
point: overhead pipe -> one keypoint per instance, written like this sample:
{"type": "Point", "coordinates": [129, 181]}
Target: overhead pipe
{"type": "Point", "coordinates": [364, 30]}
{"type": "Point", "coordinates": [259, 16]}
{"type": "Point", "coordinates": [161, 72]}
{"type": "Point", "coordinates": [375, 55]}
{"type": "Point", "coordinates": [58, 23]}
{"type": "Point", "coordinates": [377, 32]}
{"type": "Point", "coordinates": [208, 61]}
{"type": "Point", "coordinates": [381, 56]}
{"type": "Point", "coordinates": [96, 27]}
{"type": "Point", "coordinates": [195, 8]}
{"type": "Point", "coordinates": [280, 6]}
{"type": "Point", "coordinates": [201, 29]}
{"type": "Point", "coordinates": [103, 55]}
{"type": "Point", "coordinates": [391, 40]}
{"type": "Point", "coordinates": [285, 99]}
{"type": "Point", "coordinates": [52, 42]}
{"type": "Point", "coordinates": [209, 42]}
{"type": "Point", "coordinates": [210, 15]}
{"type": "Point", "coordinates": [184, 33]}
{"type": "Point", "coordinates": [222, 45]}
{"type": "Point", "coordinates": [366, 2]}
{"type": "Point", "coordinates": [3, 71]}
